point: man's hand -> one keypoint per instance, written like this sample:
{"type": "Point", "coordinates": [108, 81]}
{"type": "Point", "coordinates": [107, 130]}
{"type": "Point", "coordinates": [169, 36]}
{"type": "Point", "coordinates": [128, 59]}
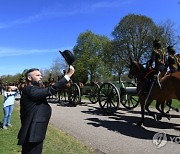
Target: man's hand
{"type": "Point", "coordinates": [70, 71]}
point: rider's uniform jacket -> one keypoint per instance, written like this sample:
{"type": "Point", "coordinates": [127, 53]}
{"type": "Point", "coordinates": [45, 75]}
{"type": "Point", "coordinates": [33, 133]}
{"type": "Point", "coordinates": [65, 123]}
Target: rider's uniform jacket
{"type": "Point", "coordinates": [172, 63]}
{"type": "Point", "coordinates": [159, 57]}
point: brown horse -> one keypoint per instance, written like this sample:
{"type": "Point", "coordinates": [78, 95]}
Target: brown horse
{"type": "Point", "coordinates": [167, 90]}
{"type": "Point", "coordinates": [51, 81]}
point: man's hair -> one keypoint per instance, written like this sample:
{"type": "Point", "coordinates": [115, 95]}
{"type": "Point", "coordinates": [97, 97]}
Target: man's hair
{"type": "Point", "coordinates": [157, 43]}
{"type": "Point", "coordinates": [29, 71]}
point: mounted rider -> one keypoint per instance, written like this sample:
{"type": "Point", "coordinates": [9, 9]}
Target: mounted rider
{"type": "Point", "coordinates": [173, 61]}
{"type": "Point", "coordinates": [158, 56]}
{"type": "Point", "coordinates": [51, 79]}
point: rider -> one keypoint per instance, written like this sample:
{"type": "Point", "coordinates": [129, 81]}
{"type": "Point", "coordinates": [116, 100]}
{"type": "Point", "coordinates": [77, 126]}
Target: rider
{"type": "Point", "coordinates": [172, 61]}
{"type": "Point", "coordinates": [158, 57]}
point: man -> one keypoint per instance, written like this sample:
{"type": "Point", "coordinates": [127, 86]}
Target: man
{"type": "Point", "coordinates": [172, 62]}
{"type": "Point", "coordinates": [158, 56]}
{"type": "Point", "coordinates": [35, 111]}
{"type": "Point", "coordinates": [173, 65]}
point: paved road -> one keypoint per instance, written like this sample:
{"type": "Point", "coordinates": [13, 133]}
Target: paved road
{"type": "Point", "coordinates": [117, 134]}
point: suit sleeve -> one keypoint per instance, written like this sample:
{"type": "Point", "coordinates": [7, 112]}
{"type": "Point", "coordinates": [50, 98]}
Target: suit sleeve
{"type": "Point", "coordinates": [38, 93]}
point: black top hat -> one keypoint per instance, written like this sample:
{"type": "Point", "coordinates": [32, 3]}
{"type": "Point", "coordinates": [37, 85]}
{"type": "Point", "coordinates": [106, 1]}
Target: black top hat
{"type": "Point", "coordinates": [68, 56]}
{"type": "Point", "coordinates": [156, 42]}
{"type": "Point", "coordinates": [170, 49]}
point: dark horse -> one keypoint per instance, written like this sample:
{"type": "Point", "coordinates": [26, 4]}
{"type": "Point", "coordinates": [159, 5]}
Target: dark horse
{"type": "Point", "coordinates": [167, 89]}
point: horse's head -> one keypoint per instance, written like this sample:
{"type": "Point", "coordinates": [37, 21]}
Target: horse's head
{"type": "Point", "coordinates": [135, 69]}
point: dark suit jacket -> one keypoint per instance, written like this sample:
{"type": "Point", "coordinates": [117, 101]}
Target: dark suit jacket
{"type": "Point", "coordinates": [35, 112]}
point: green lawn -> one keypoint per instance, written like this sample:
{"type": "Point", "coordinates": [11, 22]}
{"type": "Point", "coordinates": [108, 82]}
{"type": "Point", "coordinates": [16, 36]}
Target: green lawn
{"type": "Point", "coordinates": [175, 103]}
{"type": "Point", "coordinates": [56, 142]}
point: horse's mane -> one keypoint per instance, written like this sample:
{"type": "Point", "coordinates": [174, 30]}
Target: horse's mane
{"type": "Point", "coordinates": [139, 65]}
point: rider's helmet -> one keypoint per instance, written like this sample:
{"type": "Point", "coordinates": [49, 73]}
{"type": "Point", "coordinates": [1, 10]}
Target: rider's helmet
{"type": "Point", "coordinates": [157, 43]}
{"type": "Point", "coordinates": [171, 50]}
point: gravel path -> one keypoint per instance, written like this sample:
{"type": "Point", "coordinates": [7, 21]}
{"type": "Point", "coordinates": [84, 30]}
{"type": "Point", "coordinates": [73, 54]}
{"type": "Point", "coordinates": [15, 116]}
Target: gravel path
{"type": "Point", "coordinates": [117, 134]}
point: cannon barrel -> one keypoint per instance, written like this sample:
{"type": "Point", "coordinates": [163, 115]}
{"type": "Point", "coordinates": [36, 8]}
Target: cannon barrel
{"type": "Point", "coordinates": [129, 90]}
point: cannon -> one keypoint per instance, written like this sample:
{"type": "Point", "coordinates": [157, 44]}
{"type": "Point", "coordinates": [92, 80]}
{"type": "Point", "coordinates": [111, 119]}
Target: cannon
{"type": "Point", "coordinates": [112, 94]}
{"type": "Point", "coordinates": [74, 94]}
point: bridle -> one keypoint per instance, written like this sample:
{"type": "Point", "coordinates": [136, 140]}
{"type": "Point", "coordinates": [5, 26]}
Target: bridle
{"type": "Point", "coordinates": [136, 71]}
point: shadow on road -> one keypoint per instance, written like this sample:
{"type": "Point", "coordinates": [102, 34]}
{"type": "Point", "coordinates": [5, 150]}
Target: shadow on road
{"type": "Point", "coordinates": [126, 125]}
{"type": "Point", "coordinates": [124, 121]}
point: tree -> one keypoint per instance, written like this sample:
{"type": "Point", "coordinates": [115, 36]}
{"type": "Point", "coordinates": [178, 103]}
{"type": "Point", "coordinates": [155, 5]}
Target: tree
{"type": "Point", "coordinates": [112, 60]}
{"type": "Point", "coordinates": [57, 67]}
{"type": "Point", "coordinates": [11, 78]}
{"type": "Point", "coordinates": [169, 36]}
{"type": "Point", "coordinates": [89, 51]}
{"type": "Point", "coordinates": [81, 73]}
{"type": "Point", "coordinates": [133, 37]}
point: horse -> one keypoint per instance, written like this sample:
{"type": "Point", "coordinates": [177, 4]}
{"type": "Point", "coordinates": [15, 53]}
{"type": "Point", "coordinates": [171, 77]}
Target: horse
{"type": "Point", "coordinates": [51, 81]}
{"type": "Point", "coordinates": [21, 85]}
{"type": "Point", "coordinates": [62, 95]}
{"type": "Point", "coordinates": [167, 90]}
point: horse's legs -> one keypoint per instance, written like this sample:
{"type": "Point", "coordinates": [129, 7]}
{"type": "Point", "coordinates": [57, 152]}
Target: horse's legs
{"type": "Point", "coordinates": [161, 110]}
{"type": "Point", "coordinates": [169, 104]}
{"type": "Point", "coordinates": [150, 112]}
{"type": "Point", "coordinates": [162, 106]}
{"type": "Point", "coordinates": [162, 113]}
{"type": "Point", "coordinates": [162, 103]}
{"type": "Point", "coordinates": [58, 96]}
{"type": "Point", "coordinates": [20, 92]}
{"type": "Point", "coordinates": [142, 112]}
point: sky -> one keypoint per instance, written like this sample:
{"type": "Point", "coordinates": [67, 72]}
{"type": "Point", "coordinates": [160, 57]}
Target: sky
{"type": "Point", "coordinates": [33, 31]}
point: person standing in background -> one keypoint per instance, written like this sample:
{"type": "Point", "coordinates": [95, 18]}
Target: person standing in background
{"type": "Point", "coordinates": [8, 105]}
{"type": "Point", "coordinates": [1, 88]}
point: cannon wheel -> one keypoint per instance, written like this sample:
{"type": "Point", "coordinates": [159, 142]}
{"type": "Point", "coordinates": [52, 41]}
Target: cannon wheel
{"type": "Point", "coordinates": [109, 98]}
{"type": "Point", "coordinates": [93, 96]}
{"type": "Point", "coordinates": [129, 101]}
{"type": "Point", "coordinates": [74, 94]}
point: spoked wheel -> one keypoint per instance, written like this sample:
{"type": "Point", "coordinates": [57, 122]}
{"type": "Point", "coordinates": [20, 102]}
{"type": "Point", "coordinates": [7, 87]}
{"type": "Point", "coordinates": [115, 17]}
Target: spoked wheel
{"type": "Point", "coordinates": [74, 95]}
{"type": "Point", "coordinates": [108, 98]}
{"type": "Point", "coordinates": [129, 100]}
{"type": "Point", "coordinates": [93, 96]}
{"type": "Point", "coordinates": [62, 96]}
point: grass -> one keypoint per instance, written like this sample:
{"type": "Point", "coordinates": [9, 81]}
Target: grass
{"type": "Point", "coordinates": [56, 141]}
{"type": "Point", "coordinates": [175, 103]}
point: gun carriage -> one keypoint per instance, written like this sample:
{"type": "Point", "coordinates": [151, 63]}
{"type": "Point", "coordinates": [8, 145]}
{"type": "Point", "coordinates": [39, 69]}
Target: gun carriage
{"type": "Point", "coordinates": [111, 94]}
{"type": "Point", "coordinates": [74, 94]}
